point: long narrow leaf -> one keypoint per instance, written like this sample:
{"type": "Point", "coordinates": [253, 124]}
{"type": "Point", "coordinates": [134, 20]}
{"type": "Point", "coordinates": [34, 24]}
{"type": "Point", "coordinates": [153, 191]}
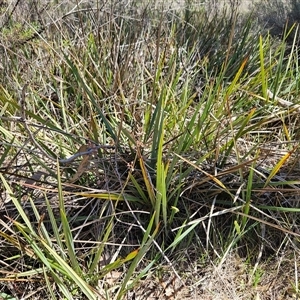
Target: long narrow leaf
{"type": "Point", "coordinates": [66, 227]}
{"type": "Point", "coordinates": [277, 167]}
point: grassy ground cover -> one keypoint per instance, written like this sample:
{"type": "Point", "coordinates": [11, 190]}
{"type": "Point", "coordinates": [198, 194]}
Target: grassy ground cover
{"type": "Point", "coordinates": [148, 152]}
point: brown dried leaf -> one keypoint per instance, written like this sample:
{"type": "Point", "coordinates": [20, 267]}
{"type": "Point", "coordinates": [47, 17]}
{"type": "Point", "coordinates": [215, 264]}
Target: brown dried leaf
{"type": "Point", "coordinates": [83, 165]}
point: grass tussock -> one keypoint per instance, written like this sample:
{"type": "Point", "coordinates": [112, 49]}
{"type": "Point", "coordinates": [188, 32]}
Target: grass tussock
{"type": "Point", "coordinates": [147, 151]}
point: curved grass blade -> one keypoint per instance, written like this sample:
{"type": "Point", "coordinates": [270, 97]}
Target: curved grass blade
{"type": "Point", "coordinates": [277, 167]}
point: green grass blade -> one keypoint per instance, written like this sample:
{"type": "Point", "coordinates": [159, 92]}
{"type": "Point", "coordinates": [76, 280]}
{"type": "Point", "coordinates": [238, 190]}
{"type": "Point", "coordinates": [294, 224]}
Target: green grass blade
{"type": "Point", "coordinates": [72, 274]}
{"type": "Point", "coordinates": [146, 243]}
{"type": "Point", "coordinates": [264, 79]}
{"type": "Point", "coordinates": [55, 229]}
{"type": "Point", "coordinates": [80, 79]}
{"type": "Point", "coordinates": [99, 251]}
{"type": "Point", "coordinates": [17, 204]}
{"type": "Point", "coordinates": [65, 225]}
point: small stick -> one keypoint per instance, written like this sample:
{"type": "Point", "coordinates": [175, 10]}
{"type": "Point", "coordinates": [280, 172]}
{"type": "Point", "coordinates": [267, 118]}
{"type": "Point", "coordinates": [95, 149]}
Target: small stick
{"type": "Point", "coordinates": [283, 102]}
{"type": "Point", "coordinates": [88, 151]}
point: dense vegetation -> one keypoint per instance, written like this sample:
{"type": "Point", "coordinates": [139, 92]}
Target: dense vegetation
{"type": "Point", "coordinates": [147, 149]}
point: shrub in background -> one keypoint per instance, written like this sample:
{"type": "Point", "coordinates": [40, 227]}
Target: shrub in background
{"type": "Point", "coordinates": [280, 18]}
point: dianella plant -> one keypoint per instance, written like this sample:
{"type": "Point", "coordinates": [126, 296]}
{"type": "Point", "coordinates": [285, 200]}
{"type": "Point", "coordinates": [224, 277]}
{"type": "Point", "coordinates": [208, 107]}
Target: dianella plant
{"type": "Point", "coordinates": [131, 133]}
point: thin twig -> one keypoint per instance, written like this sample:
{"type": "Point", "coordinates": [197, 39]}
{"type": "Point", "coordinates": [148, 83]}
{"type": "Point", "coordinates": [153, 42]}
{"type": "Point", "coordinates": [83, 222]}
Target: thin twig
{"type": "Point", "coordinates": [283, 102]}
{"type": "Point", "coordinates": [88, 151]}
